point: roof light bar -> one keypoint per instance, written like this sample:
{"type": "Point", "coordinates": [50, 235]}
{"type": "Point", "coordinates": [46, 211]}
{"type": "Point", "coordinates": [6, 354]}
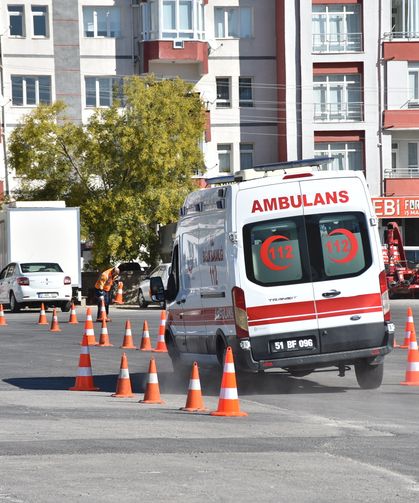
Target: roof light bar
{"type": "Point", "coordinates": [316, 161]}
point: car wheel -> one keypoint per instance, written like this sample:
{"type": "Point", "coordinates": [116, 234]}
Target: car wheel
{"type": "Point", "coordinates": [65, 307]}
{"type": "Point", "coordinates": [14, 305]}
{"type": "Point", "coordinates": [369, 376]}
{"type": "Point", "coordinates": [141, 300]}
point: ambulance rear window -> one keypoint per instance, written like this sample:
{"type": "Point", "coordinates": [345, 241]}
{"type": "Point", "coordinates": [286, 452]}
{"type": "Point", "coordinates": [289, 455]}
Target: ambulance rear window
{"type": "Point", "coordinates": [273, 251]}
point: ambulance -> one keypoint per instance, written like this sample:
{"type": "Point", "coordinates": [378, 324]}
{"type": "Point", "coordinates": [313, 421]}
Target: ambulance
{"type": "Point", "coordinates": [285, 268]}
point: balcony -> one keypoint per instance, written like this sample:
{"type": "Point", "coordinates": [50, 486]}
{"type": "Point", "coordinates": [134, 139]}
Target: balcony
{"type": "Point", "coordinates": [337, 42]}
{"type": "Point", "coordinates": [338, 112]}
{"type": "Point", "coordinates": [401, 119]}
{"type": "Point", "coordinates": [402, 172]}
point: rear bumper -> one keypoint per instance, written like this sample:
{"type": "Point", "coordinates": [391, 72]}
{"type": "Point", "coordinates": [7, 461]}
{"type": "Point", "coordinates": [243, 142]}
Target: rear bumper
{"type": "Point", "coordinates": [244, 359]}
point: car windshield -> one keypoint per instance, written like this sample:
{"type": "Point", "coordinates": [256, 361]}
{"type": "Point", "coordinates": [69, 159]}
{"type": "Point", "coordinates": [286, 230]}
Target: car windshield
{"type": "Point", "coordinates": [40, 267]}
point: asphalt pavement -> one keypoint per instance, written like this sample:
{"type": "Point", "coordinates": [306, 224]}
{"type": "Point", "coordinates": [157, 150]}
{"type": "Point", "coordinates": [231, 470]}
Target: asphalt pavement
{"type": "Point", "coordinates": [314, 439]}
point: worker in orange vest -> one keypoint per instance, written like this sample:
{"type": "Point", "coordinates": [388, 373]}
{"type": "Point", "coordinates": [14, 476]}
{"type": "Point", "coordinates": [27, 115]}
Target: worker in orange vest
{"type": "Point", "coordinates": [103, 288]}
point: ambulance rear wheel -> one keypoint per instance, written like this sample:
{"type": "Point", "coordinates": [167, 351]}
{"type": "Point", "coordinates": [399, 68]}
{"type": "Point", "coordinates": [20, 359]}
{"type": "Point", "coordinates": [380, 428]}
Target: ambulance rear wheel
{"type": "Point", "coordinates": [369, 376]}
{"type": "Point", "coordinates": [174, 354]}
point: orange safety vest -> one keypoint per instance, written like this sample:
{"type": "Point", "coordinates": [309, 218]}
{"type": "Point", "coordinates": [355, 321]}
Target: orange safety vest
{"type": "Point", "coordinates": [105, 280]}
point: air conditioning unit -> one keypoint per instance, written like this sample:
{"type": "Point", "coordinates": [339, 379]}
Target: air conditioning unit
{"type": "Point", "coordinates": [178, 43]}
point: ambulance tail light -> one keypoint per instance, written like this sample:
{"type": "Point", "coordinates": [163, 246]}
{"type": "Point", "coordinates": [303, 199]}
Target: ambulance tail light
{"type": "Point", "coordinates": [385, 299]}
{"type": "Point", "coordinates": [240, 314]}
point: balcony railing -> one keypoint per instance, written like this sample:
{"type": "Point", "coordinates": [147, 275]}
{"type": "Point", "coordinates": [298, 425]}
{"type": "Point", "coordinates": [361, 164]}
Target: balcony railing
{"type": "Point", "coordinates": [412, 172]}
{"type": "Point", "coordinates": [338, 112]}
{"type": "Point", "coordinates": [337, 42]}
{"type": "Point", "coordinates": [406, 35]}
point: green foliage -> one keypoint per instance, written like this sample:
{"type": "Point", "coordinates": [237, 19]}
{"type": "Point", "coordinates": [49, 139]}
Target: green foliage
{"type": "Point", "coordinates": [128, 168]}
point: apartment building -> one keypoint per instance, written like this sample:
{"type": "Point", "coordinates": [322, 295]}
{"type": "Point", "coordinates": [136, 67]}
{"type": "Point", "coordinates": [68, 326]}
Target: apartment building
{"type": "Point", "coordinates": [280, 79]}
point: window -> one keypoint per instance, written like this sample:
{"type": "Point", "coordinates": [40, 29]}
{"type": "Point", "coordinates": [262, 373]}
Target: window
{"type": "Point", "coordinates": [336, 28]}
{"type": "Point", "coordinates": [16, 20]}
{"type": "Point", "coordinates": [413, 85]}
{"type": "Point", "coordinates": [40, 20]}
{"type": "Point", "coordinates": [171, 19]}
{"type": "Point", "coordinates": [224, 157]}
{"type": "Point", "coordinates": [337, 97]}
{"type": "Point", "coordinates": [233, 22]}
{"type": "Point", "coordinates": [277, 251]}
{"type": "Point", "coordinates": [246, 156]}
{"type": "Point", "coordinates": [223, 92]}
{"type": "Point", "coordinates": [245, 92]}
{"type": "Point", "coordinates": [394, 156]}
{"type": "Point", "coordinates": [412, 155]}
{"type": "Point", "coordinates": [101, 22]}
{"type": "Point", "coordinates": [348, 155]}
{"type": "Point", "coordinates": [405, 18]}
{"type": "Point", "coordinates": [102, 91]}
{"type": "Point", "coordinates": [30, 91]}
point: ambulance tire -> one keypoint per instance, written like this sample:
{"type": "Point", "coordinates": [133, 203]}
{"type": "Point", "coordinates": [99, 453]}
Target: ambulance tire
{"type": "Point", "coordinates": [369, 376]}
{"type": "Point", "coordinates": [178, 367]}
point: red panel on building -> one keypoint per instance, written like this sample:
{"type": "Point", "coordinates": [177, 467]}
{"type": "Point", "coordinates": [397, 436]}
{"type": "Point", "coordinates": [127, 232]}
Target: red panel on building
{"type": "Point", "coordinates": [337, 68]}
{"type": "Point", "coordinates": [402, 186]}
{"type": "Point", "coordinates": [331, 136]}
{"type": "Point", "coordinates": [163, 50]}
{"type": "Point", "coordinates": [402, 119]}
{"type": "Point", "coordinates": [401, 51]}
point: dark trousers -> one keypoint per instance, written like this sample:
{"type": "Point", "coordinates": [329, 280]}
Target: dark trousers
{"type": "Point", "coordinates": [99, 294]}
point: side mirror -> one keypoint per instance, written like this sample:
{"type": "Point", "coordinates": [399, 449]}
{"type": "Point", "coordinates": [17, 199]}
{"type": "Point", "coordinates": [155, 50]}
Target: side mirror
{"type": "Point", "coordinates": [157, 289]}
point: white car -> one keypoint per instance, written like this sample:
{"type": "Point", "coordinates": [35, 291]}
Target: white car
{"type": "Point", "coordinates": [31, 283]}
{"type": "Point", "coordinates": [144, 296]}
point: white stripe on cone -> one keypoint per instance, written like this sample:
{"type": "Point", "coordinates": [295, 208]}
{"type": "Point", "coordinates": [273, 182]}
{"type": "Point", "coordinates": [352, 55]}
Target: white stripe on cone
{"type": "Point", "coordinates": [84, 350]}
{"type": "Point", "coordinates": [124, 374]}
{"type": "Point", "coordinates": [229, 368]}
{"type": "Point", "coordinates": [413, 345]}
{"type": "Point", "coordinates": [84, 371]}
{"type": "Point", "coordinates": [413, 367]}
{"type": "Point", "coordinates": [90, 331]}
{"type": "Point", "coordinates": [229, 394]}
{"type": "Point", "coordinates": [152, 379]}
{"type": "Point", "coordinates": [194, 384]}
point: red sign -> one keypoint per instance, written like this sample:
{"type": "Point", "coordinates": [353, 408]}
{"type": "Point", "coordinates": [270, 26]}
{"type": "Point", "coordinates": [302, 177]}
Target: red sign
{"type": "Point", "coordinates": [396, 207]}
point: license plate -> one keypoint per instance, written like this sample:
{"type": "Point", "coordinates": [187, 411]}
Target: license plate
{"type": "Point", "coordinates": [295, 344]}
{"type": "Point", "coordinates": [47, 295]}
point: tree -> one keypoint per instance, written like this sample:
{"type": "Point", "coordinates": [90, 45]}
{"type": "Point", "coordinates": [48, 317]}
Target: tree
{"type": "Point", "coordinates": [129, 168]}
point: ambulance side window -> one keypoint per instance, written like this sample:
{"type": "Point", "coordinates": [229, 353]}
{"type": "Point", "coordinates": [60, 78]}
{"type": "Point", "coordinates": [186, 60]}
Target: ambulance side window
{"type": "Point", "coordinates": [338, 245]}
{"type": "Point", "coordinates": [173, 279]}
{"type": "Point", "coordinates": [275, 251]}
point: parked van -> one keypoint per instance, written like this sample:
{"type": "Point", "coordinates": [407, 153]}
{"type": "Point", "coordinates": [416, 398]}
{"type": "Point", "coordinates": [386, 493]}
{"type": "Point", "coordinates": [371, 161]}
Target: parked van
{"type": "Point", "coordinates": [285, 269]}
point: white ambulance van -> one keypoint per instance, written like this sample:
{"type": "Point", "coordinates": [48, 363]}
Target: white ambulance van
{"type": "Point", "coordinates": [285, 269]}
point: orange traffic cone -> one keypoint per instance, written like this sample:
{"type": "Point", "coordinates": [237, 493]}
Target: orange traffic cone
{"type": "Point", "coordinates": [408, 329]}
{"type": "Point", "coordinates": [145, 339]}
{"type": "Point", "coordinates": [161, 345]}
{"type": "Point", "coordinates": [194, 402]}
{"type": "Point", "coordinates": [123, 386]}
{"type": "Point", "coordinates": [55, 327]}
{"type": "Point", "coordinates": [152, 391]}
{"type": "Point", "coordinates": [118, 299]}
{"type": "Point", "coordinates": [89, 330]}
{"type": "Point", "coordinates": [228, 403]}
{"type": "Point", "coordinates": [128, 342]}
{"type": "Point", "coordinates": [412, 372]}
{"type": "Point", "coordinates": [42, 320]}
{"type": "Point", "coordinates": [84, 379]}
{"type": "Point", "coordinates": [73, 317]}
{"type": "Point", "coordinates": [104, 336]}
{"type": "Point", "coordinates": [2, 318]}
{"type": "Point", "coordinates": [102, 313]}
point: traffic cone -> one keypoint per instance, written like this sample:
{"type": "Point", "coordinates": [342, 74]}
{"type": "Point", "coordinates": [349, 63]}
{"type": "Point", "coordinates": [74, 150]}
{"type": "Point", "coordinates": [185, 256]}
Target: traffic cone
{"type": "Point", "coordinates": [42, 320]}
{"type": "Point", "coordinates": [55, 327]}
{"type": "Point", "coordinates": [194, 402]}
{"type": "Point", "coordinates": [128, 342]}
{"type": "Point", "coordinates": [145, 339]}
{"type": "Point", "coordinates": [89, 330]}
{"type": "Point", "coordinates": [161, 345]}
{"type": "Point", "coordinates": [102, 313]}
{"type": "Point", "coordinates": [73, 317]}
{"type": "Point", "coordinates": [104, 336]}
{"type": "Point", "coordinates": [412, 371]}
{"type": "Point", "coordinates": [228, 403]}
{"type": "Point", "coordinates": [118, 299]}
{"type": "Point", "coordinates": [123, 386]}
{"type": "Point", "coordinates": [408, 329]}
{"type": "Point", "coordinates": [2, 318]}
{"type": "Point", "coordinates": [152, 391]}
{"type": "Point", "coordinates": [84, 379]}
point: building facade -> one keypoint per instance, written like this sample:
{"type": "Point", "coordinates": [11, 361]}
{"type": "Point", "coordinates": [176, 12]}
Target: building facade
{"type": "Point", "coordinates": [280, 79]}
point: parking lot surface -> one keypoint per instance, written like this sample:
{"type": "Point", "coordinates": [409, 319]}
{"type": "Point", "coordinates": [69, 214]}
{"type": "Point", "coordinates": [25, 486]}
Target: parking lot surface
{"type": "Point", "coordinates": [314, 439]}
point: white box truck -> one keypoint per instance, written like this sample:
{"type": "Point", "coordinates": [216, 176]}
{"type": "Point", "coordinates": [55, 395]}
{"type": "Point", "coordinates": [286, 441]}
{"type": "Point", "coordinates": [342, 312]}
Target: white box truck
{"type": "Point", "coordinates": [285, 269]}
{"type": "Point", "coordinates": [42, 231]}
